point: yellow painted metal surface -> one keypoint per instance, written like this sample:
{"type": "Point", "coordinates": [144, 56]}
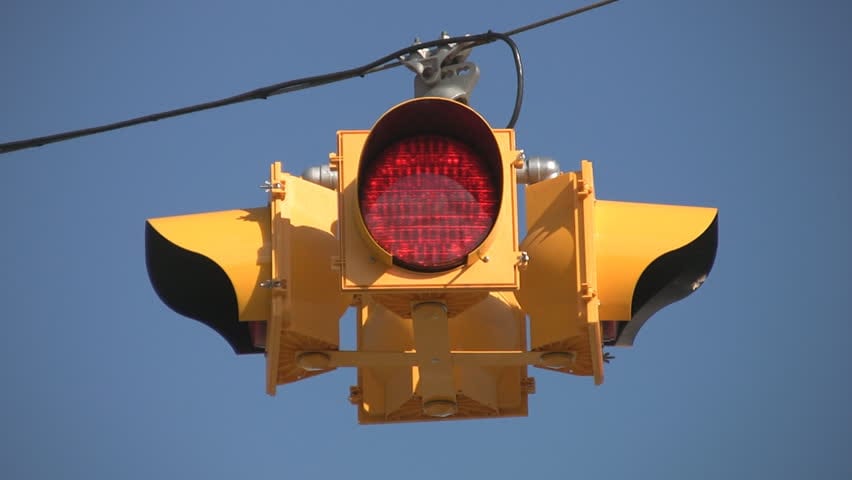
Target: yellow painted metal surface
{"type": "Point", "coordinates": [629, 236]}
{"type": "Point", "coordinates": [447, 345]}
{"type": "Point", "coordinates": [559, 285]}
{"type": "Point", "coordinates": [365, 267]}
{"type": "Point", "coordinates": [392, 388]}
{"type": "Point", "coordinates": [588, 273]}
{"type": "Point", "coordinates": [442, 345]}
{"type": "Point", "coordinates": [587, 257]}
{"type": "Point", "coordinates": [237, 241]}
{"type": "Point", "coordinates": [431, 327]}
{"type": "Point", "coordinates": [460, 358]}
{"type": "Point", "coordinates": [306, 301]}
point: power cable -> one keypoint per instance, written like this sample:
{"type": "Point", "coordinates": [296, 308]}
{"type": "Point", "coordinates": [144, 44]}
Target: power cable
{"type": "Point", "coordinates": [384, 63]}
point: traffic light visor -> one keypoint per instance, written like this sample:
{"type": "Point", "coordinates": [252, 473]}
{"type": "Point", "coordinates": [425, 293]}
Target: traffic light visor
{"type": "Point", "coordinates": [207, 266]}
{"type": "Point", "coordinates": [650, 256]}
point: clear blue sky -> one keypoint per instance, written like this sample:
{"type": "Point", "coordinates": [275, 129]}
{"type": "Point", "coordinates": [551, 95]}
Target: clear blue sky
{"type": "Point", "coordinates": [741, 105]}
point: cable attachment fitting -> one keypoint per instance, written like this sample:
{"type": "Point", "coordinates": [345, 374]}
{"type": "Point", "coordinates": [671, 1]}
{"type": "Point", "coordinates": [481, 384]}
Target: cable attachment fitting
{"type": "Point", "coordinates": [537, 169]}
{"type": "Point", "coordinates": [321, 175]}
{"type": "Point", "coordinates": [443, 71]}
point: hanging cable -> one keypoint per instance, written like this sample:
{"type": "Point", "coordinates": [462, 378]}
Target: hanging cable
{"type": "Point", "coordinates": [384, 63]}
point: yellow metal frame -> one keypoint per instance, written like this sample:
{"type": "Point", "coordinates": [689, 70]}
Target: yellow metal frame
{"type": "Point", "coordinates": [559, 286]}
{"type": "Point", "coordinates": [306, 303]}
{"type": "Point", "coordinates": [437, 345]}
{"type": "Point", "coordinates": [312, 360]}
{"type": "Point", "coordinates": [431, 366]}
{"type": "Point", "coordinates": [587, 271]}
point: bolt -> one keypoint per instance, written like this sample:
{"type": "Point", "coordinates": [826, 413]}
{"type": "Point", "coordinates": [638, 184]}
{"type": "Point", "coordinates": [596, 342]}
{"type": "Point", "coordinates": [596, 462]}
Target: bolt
{"type": "Point", "coordinates": [523, 259]}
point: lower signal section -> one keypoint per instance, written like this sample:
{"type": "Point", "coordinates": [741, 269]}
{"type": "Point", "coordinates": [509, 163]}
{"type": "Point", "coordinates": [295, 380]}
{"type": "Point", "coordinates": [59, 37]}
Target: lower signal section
{"type": "Point", "coordinates": [448, 368]}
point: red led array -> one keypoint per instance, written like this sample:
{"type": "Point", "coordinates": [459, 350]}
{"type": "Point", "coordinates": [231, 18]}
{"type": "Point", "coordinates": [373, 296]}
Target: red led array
{"type": "Point", "coordinates": [428, 201]}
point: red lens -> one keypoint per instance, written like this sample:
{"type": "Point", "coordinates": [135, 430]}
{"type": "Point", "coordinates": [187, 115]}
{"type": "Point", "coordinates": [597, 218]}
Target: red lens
{"type": "Point", "coordinates": [429, 201]}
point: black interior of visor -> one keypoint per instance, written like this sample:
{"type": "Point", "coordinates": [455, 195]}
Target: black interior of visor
{"type": "Point", "coordinates": [668, 279]}
{"type": "Point", "coordinates": [196, 287]}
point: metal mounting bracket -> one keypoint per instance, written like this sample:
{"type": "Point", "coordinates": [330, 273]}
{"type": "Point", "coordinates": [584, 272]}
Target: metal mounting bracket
{"type": "Point", "coordinates": [443, 71]}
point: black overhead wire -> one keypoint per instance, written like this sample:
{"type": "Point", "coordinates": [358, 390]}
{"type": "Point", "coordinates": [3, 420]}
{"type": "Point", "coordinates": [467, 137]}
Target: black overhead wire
{"type": "Point", "coordinates": [556, 18]}
{"type": "Point", "coordinates": [519, 74]}
{"type": "Point", "coordinates": [388, 61]}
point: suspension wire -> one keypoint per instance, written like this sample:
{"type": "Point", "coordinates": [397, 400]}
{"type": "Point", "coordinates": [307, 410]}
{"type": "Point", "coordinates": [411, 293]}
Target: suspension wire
{"type": "Point", "coordinates": [386, 62]}
{"type": "Point", "coordinates": [559, 17]}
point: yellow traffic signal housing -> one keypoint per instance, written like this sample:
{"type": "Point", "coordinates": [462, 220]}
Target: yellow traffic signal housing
{"type": "Point", "coordinates": [421, 237]}
{"type": "Point", "coordinates": [559, 282]}
{"type": "Point", "coordinates": [428, 239]}
{"type": "Point", "coordinates": [598, 269]}
{"type": "Point", "coordinates": [442, 369]}
{"type": "Point", "coordinates": [260, 277]}
{"type": "Point", "coordinates": [428, 202]}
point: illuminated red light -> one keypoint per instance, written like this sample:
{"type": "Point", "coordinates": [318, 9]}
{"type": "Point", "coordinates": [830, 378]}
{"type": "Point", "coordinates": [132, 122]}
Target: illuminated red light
{"type": "Point", "coordinates": [429, 201]}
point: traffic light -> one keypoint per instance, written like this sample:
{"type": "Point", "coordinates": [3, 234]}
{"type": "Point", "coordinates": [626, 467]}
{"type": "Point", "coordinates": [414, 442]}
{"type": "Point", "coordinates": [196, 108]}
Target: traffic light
{"type": "Point", "coordinates": [428, 239]}
{"type": "Point", "coordinates": [428, 202]}
{"type": "Point", "coordinates": [261, 277]}
{"type": "Point", "coordinates": [598, 269]}
{"type": "Point", "coordinates": [415, 223]}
